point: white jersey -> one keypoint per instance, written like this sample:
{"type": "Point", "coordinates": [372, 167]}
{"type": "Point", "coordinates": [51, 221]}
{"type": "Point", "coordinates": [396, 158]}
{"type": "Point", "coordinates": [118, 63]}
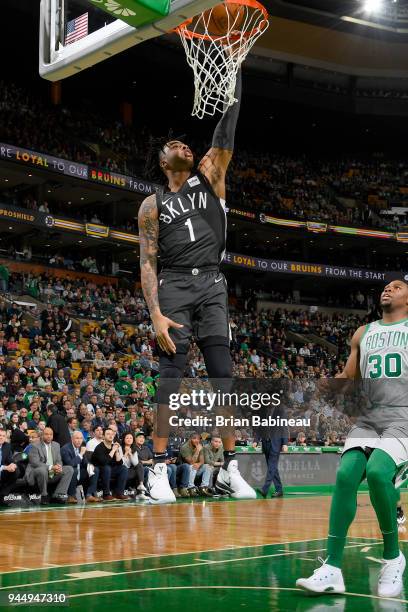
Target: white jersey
{"type": "Point", "coordinates": [384, 364]}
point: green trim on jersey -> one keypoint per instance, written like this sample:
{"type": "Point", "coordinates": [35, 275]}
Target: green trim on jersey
{"type": "Point", "coordinates": [380, 322]}
{"type": "Point", "coordinates": [367, 327]}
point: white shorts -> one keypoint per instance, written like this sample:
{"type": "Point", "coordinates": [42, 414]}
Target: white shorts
{"type": "Point", "coordinates": [393, 440]}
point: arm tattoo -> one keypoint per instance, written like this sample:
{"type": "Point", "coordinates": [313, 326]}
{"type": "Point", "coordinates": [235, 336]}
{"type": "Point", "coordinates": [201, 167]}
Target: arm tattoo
{"type": "Point", "coordinates": [224, 134]}
{"type": "Point", "coordinates": [148, 236]}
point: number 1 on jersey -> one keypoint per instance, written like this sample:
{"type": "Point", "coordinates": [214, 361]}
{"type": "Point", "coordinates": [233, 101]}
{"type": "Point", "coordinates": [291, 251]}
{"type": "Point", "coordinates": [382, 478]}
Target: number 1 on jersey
{"type": "Point", "coordinates": [190, 229]}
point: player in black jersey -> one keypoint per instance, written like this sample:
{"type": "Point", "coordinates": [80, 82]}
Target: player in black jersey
{"type": "Point", "coordinates": [185, 223]}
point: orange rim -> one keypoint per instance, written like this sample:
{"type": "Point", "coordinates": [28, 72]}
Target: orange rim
{"type": "Point", "coordinates": [182, 28]}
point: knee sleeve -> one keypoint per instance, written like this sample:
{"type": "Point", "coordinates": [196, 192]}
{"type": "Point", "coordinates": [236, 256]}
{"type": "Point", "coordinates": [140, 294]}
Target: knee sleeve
{"type": "Point", "coordinates": [171, 372]}
{"type": "Point", "coordinates": [218, 360]}
{"type": "Point", "coordinates": [172, 366]}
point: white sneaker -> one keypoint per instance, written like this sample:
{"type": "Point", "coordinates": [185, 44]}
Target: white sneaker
{"type": "Point", "coordinates": [158, 486]}
{"type": "Point", "coordinates": [401, 518]}
{"type": "Point", "coordinates": [142, 497]}
{"type": "Point", "coordinates": [141, 494]}
{"type": "Point", "coordinates": [230, 481]}
{"type": "Point", "coordinates": [325, 579]}
{"type": "Point", "coordinates": [390, 579]}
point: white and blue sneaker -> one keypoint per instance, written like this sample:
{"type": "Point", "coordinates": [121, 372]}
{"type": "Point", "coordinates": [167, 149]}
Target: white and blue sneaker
{"type": "Point", "coordinates": [325, 580]}
{"type": "Point", "coordinates": [390, 579]}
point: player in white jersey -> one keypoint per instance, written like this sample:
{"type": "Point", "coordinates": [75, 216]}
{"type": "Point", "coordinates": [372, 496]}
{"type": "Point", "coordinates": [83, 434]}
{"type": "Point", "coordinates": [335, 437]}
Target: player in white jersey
{"type": "Point", "coordinates": [377, 445]}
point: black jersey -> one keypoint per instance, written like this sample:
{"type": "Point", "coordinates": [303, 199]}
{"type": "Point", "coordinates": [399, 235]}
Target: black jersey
{"type": "Point", "coordinates": [192, 225]}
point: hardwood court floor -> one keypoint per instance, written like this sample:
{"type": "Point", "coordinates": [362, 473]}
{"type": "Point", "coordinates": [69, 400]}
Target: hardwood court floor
{"type": "Point", "coordinates": [213, 556]}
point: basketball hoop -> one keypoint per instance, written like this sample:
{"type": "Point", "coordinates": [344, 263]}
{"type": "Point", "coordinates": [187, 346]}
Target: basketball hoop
{"type": "Point", "coordinates": [216, 57]}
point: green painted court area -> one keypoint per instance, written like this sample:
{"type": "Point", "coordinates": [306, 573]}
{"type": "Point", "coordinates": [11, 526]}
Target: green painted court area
{"type": "Point", "coordinates": [257, 578]}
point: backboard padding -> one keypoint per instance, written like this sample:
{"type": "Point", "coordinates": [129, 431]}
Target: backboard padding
{"type": "Point", "coordinates": [107, 36]}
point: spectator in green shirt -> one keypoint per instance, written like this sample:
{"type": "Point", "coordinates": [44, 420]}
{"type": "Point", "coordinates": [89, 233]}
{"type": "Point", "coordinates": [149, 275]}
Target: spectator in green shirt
{"type": "Point", "coordinates": [213, 453]}
{"type": "Point", "coordinates": [191, 452]}
{"type": "Point", "coordinates": [123, 386]}
{"type": "Point", "coordinates": [245, 346]}
{"type": "Point", "coordinates": [29, 395]}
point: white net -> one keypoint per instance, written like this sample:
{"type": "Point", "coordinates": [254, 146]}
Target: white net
{"type": "Point", "coordinates": [215, 59]}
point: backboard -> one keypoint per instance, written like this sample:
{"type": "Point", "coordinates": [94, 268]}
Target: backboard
{"type": "Point", "coordinates": [68, 47]}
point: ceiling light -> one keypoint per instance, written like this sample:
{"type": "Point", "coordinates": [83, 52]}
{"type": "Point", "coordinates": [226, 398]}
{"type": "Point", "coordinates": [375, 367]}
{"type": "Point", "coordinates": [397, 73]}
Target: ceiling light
{"type": "Point", "coordinates": [372, 6]}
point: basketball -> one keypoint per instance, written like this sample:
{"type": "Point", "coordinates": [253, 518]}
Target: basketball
{"type": "Point", "coordinates": [223, 16]}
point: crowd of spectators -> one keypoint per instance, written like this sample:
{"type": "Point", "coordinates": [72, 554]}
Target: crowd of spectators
{"type": "Point", "coordinates": [29, 121]}
{"type": "Point", "coordinates": [259, 338]}
{"type": "Point", "coordinates": [83, 298]}
{"type": "Point", "coordinates": [88, 392]}
{"type": "Point", "coordinates": [87, 299]}
{"type": "Point", "coordinates": [341, 191]}
{"type": "Point", "coordinates": [76, 390]}
{"type": "Point", "coordinates": [338, 192]}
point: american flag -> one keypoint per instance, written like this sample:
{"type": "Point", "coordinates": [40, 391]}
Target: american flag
{"type": "Point", "coordinates": [76, 28]}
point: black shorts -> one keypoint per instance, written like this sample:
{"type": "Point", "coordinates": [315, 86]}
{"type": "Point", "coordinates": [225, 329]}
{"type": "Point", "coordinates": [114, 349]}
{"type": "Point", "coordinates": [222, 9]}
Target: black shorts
{"type": "Point", "coordinates": [199, 302]}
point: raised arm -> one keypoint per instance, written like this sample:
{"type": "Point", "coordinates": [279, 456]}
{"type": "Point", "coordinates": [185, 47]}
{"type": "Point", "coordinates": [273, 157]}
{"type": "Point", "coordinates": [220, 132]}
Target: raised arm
{"type": "Point", "coordinates": [149, 246]}
{"type": "Point", "coordinates": [352, 367]}
{"type": "Point", "coordinates": [148, 237]}
{"type": "Point", "coordinates": [215, 163]}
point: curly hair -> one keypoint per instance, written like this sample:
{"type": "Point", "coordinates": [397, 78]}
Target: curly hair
{"type": "Point", "coordinates": [152, 171]}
